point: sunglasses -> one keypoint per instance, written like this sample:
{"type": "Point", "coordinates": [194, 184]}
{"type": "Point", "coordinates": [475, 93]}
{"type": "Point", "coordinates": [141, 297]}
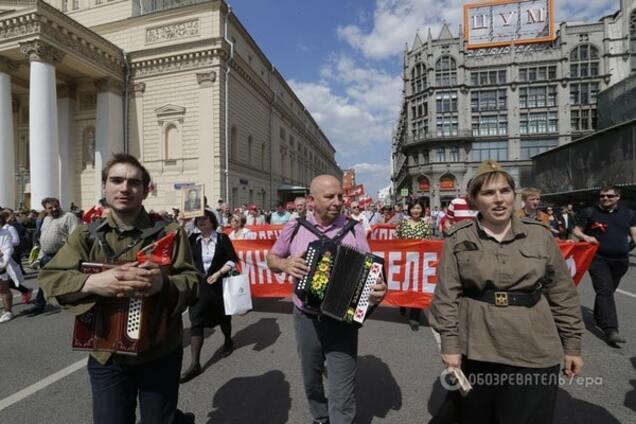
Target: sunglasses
{"type": "Point", "coordinates": [609, 196]}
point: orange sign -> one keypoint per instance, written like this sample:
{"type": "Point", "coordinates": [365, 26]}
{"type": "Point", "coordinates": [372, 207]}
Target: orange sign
{"type": "Point", "coordinates": [447, 184]}
{"type": "Point", "coordinates": [505, 22]}
{"type": "Point", "coordinates": [424, 185]}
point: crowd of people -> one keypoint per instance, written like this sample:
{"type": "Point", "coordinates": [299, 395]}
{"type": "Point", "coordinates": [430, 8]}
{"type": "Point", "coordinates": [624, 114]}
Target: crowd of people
{"type": "Point", "coordinates": [478, 309]}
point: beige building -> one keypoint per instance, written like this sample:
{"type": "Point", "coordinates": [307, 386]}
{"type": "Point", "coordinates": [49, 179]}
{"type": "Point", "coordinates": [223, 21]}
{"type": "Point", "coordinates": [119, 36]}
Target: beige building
{"type": "Point", "coordinates": [179, 83]}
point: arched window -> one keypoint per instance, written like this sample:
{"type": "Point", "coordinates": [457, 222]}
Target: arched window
{"type": "Point", "coordinates": [423, 183]}
{"type": "Point", "coordinates": [445, 71]}
{"type": "Point", "coordinates": [418, 78]}
{"type": "Point", "coordinates": [584, 61]}
{"type": "Point", "coordinates": [447, 182]}
{"type": "Point", "coordinates": [172, 143]}
{"type": "Point", "coordinates": [632, 38]}
{"type": "Point", "coordinates": [234, 143]}
{"type": "Point", "coordinates": [88, 147]}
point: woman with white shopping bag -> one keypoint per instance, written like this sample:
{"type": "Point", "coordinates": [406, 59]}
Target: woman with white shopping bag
{"type": "Point", "coordinates": [215, 258]}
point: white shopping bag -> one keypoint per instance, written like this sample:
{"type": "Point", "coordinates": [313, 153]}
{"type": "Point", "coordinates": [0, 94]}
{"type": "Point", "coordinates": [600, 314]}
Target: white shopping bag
{"type": "Point", "coordinates": [237, 298]}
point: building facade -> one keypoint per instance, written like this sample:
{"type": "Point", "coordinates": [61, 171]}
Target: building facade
{"type": "Point", "coordinates": [463, 105]}
{"type": "Point", "coordinates": [181, 84]}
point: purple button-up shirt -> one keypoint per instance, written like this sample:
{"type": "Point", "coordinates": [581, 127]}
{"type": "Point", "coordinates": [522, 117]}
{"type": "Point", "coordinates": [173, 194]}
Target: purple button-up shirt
{"type": "Point", "coordinates": [285, 246]}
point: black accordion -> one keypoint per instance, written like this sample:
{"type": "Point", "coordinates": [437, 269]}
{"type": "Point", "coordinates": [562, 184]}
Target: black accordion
{"type": "Point", "coordinates": [339, 281]}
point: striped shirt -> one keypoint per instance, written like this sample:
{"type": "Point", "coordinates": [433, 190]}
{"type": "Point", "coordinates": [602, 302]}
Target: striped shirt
{"type": "Point", "coordinates": [459, 211]}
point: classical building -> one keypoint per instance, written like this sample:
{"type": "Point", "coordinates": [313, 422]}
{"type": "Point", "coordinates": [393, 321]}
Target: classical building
{"type": "Point", "coordinates": [179, 83]}
{"type": "Point", "coordinates": [463, 104]}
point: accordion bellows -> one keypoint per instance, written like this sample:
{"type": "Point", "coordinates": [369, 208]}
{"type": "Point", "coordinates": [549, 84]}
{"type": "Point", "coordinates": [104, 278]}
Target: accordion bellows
{"type": "Point", "coordinates": [339, 281]}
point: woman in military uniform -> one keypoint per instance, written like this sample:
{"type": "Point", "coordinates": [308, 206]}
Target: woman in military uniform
{"type": "Point", "coordinates": [506, 309]}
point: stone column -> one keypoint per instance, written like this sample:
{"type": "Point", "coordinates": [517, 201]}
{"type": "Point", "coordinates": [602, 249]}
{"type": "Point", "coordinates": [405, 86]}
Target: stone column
{"type": "Point", "coordinates": [7, 143]}
{"type": "Point", "coordinates": [109, 128]}
{"type": "Point", "coordinates": [67, 147]}
{"type": "Point", "coordinates": [210, 161]}
{"type": "Point", "coordinates": [136, 120]}
{"type": "Point", "coordinates": [43, 129]}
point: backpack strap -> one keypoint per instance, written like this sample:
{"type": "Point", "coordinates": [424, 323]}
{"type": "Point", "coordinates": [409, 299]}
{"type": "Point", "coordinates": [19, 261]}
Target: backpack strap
{"type": "Point", "coordinates": [349, 226]}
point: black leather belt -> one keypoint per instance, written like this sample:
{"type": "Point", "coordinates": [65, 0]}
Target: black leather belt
{"type": "Point", "coordinates": [506, 298]}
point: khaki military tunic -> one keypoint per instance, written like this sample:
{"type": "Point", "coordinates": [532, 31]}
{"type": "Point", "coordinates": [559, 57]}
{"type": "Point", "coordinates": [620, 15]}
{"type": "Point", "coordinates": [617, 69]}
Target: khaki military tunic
{"type": "Point", "coordinates": [535, 337]}
{"type": "Point", "coordinates": [61, 276]}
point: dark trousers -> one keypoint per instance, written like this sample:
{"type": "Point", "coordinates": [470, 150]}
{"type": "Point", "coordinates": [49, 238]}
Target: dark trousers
{"type": "Point", "coordinates": [40, 301]}
{"type": "Point", "coordinates": [606, 274]}
{"type": "Point", "coordinates": [337, 343]}
{"type": "Point", "coordinates": [503, 394]}
{"type": "Point", "coordinates": [116, 386]}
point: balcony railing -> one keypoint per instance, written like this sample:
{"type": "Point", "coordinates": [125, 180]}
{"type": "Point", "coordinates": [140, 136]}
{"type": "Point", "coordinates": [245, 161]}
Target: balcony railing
{"type": "Point", "coordinates": [143, 7]}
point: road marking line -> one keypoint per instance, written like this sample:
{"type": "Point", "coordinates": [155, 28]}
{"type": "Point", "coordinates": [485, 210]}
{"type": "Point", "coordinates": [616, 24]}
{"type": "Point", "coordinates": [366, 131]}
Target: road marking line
{"type": "Point", "coordinates": [626, 293]}
{"type": "Point", "coordinates": [28, 391]}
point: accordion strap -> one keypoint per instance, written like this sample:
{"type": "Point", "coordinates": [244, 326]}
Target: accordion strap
{"type": "Point", "coordinates": [321, 235]}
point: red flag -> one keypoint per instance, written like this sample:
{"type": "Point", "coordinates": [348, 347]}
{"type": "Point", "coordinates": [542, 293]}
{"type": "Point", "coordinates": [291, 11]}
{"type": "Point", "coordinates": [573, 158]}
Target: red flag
{"type": "Point", "coordinates": [159, 252]}
{"type": "Point", "coordinates": [92, 214]}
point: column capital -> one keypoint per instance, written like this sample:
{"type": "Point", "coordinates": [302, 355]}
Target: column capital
{"type": "Point", "coordinates": [205, 79]}
{"type": "Point", "coordinates": [38, 50]}
{"type": "Point", "coordinates": [137, 89]}
{"type": "Point", "coordinates": [7, 66]}
{"type": "Point", "coordinates": [104, 85]}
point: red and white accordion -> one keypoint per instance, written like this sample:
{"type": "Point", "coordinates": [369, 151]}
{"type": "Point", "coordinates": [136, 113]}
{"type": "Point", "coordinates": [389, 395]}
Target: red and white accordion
{"type": "Point", "coordinates": [120, 325]}
{"type": "Point", "coordinates": [339, 281]}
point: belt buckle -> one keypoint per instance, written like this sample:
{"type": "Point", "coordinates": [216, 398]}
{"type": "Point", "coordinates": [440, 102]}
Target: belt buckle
{"type": "Point", "coordinates": [501, 298]}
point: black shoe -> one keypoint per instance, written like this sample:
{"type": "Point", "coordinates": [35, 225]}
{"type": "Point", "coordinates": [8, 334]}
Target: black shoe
{"type": "Point", "coordinates": [34, 310]}
{"type": "Point", "coordinates": [613, 338]}
{"type": "Point", "coordinates": [415, 325]}
{"type": "Point", "coordinates": [190, 373]}
{"type": "Point", "coordinates": [319, 422]}
{"type": "Point", "coordinates": [228, 348]}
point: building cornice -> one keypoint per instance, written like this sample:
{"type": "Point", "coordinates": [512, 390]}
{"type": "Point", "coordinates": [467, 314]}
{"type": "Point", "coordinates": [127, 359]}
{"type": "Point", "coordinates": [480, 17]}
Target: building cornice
{"type": "Point", "coordinates": [41, 51]}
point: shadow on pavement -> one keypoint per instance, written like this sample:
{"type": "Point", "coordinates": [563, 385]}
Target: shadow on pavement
{"type": "Point", "coordinates": [262, 334]}
{"type": "Point", "coordinates": [247, 400]}
{"type": "Point", "coordinates": [590, 323]}
{"type": "Point", "coordinates": [377, 391]}
{"type": "Point", "coordinates": [440, 409]}
{"type": "Point", "coordinates": [630, 397]}
{"type": "Point", "coordinates": [571, 410]}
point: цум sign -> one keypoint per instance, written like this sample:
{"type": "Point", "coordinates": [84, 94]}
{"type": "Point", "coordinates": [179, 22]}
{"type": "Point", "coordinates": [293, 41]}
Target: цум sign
{"type": "Point", "coordinates": [506, 22]}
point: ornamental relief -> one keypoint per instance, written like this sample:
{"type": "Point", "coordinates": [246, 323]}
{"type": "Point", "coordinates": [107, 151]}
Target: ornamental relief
{"type": "Point", "coordinates": [172, 65]}
{"type": "Point", "coordinates": [7, 30]}
{"type": "Point", "coordinates": [173, 31]}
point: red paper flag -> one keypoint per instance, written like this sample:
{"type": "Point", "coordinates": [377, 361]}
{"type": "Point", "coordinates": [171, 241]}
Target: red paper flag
{"type": "Point", "coordinates": [92, 214]}
{"type": "Point", "coordinates": [159, 252]}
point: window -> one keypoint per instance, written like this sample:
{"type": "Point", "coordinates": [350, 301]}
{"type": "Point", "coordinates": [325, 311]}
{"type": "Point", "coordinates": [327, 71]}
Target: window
{"type": "Point", "coordinates": [490, 125]}
{"type": "Point", "coordinates": [76, 4]}
{"type": "Point", "coordinates": [439, 155]}
{"type": "Point", "coordinates": [485, 100]}
{"type": "Point", "coordinates": [488, 77]}
{"type": "Point", "coordinates": [250, 145]}
{"type": "Point", "coordinates": [583, 119]}
{"type": "Point", "coordinates": [447, 125]}
{"type": "Point", "coordinates": [445, 71]}
{"type": "Point", "coordinates": [632, 38]}
{"type": "Point", "coordinates": [530, 148]}
{"type": "Point", "coordinates": [538, 123]}
{"type": "Point", "coordinates": [583, 93]}
{"type": "Point", "coordinates": [425, 156]}
{"type": "Point", "coordinates": [538, 96]}
{"type": "Point", "coordinates": [419, 129]}
{"type": "Point", "coordinates": [172, 143]}
{"type": "Point", "coordinates": [537, 73]}
{"type": "Point", "coordinates": [454, 154]}
{"type": "Point", "coordinates": [88, 147]}
{"type": "Point", "coordinates": [234, 143]}
{"type": "Point", "coordinates": [584, 62]}
{"type": "Point", "coordinates": [419, 107]}
{"type": "Point", "coordinates": [418, 78]}
{"type": "Point", "coordinates": [446, 101]}
{"type": "Point", "coordinates": [484, 150]}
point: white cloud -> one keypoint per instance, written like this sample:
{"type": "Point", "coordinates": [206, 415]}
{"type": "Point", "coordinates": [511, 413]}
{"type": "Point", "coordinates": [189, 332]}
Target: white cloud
{"type": "Point", "coordinates": [395, 22]}
{"type": "Point", "coordinates": [354, 105]}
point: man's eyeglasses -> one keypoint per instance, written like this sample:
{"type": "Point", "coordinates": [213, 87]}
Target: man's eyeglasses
{"type": "Point", "coordinates": [355, 207]}
{"type": "Point", "coordinates": [609, 196]}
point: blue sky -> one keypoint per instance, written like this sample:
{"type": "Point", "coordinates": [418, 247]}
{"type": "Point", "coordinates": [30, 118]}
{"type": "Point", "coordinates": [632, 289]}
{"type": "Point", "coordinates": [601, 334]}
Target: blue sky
{"type": "Point", "coordinates": [343, 59]}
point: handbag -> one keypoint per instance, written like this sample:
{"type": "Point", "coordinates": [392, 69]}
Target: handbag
{"type": "Point", "coordinates": [237, 298]}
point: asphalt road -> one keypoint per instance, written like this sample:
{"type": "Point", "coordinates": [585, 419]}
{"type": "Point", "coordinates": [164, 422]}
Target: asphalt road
{"type": "Point", "coordinates": [43, 381]}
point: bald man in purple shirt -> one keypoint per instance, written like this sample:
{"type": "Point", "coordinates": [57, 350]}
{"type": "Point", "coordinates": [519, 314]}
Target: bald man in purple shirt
{"type": "Point", "coordinates": [321, 338]}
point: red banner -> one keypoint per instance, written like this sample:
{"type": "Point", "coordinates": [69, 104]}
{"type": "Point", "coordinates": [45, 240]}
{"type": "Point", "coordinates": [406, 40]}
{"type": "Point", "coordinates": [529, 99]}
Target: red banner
{"type": "Point", "coordinates": [355, 191]}
{"type": "Point", "coordinates": [411, 267]}
{"type": "Point", "coordinates": [263, 232]}
{"type": "Point", "coordinates": [382, 232]}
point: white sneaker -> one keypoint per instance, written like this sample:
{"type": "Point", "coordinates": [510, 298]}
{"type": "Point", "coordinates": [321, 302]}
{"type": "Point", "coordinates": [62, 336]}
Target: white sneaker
{"type": "Point", "coordinates": [7, 316]}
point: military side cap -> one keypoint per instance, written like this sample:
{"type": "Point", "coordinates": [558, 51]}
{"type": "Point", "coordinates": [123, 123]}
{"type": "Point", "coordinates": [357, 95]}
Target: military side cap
{"type": "Point", "coordinates": [488, 166]}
